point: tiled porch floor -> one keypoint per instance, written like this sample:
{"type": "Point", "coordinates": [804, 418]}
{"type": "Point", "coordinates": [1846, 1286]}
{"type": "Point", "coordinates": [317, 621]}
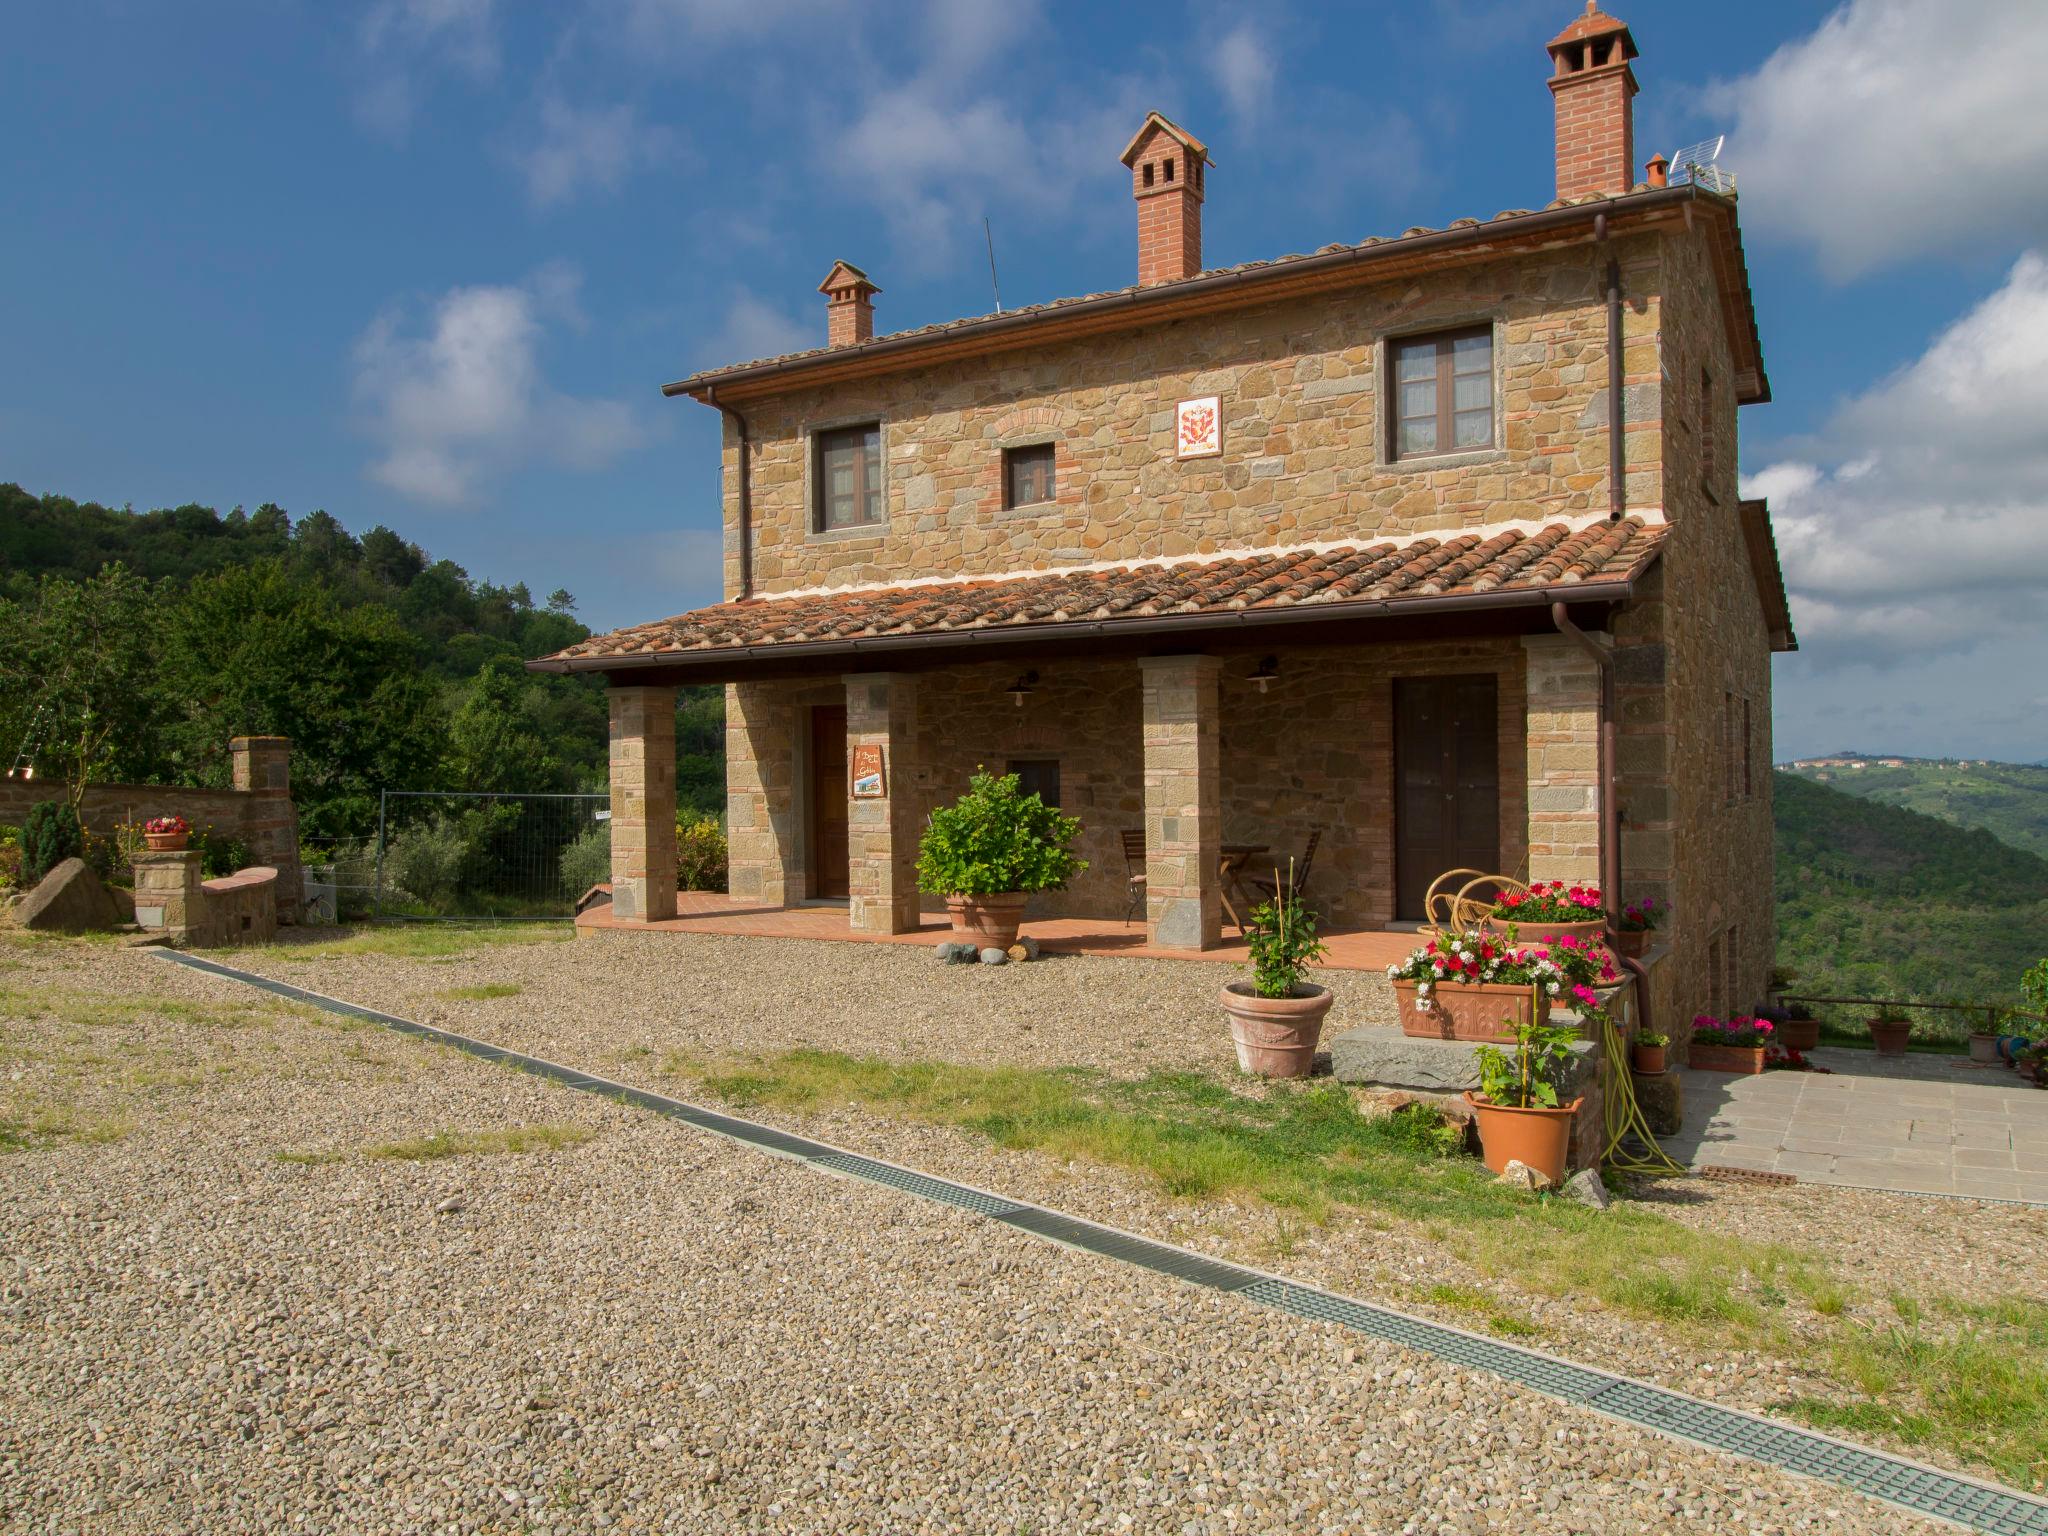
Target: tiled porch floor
{"type": "Point", "coordinates": [1923, 1124]}
{"type": "Point", "coordinates": [709, 912]}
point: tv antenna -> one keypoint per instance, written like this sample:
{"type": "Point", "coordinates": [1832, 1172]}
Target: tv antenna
{"type": "Point", "coordinates": [1699, 165]}
{"type": "Point", "coordinates": [989, 235]}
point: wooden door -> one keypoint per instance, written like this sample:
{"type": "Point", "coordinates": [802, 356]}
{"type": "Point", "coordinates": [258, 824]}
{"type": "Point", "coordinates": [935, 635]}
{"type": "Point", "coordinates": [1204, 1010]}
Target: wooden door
{"type": "Point", "coordinates": [827, 839]}
{"type": "Point", "coordinates": [1446, 782]}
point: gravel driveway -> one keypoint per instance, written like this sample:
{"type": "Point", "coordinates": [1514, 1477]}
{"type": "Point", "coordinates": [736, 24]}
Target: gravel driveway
{"type": "Point", "coordinates": [651, 1329]}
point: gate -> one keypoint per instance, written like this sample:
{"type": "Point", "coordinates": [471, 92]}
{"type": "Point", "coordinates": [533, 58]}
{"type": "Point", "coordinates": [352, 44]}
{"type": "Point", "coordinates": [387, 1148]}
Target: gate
{"type": "Point", "coordinates": [452, 856]}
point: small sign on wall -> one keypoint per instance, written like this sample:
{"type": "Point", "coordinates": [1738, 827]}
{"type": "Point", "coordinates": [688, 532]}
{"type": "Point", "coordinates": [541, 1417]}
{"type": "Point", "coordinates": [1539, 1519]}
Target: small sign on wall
{"type": "Point", "coordinates": [1198, 428]}
{"type": "Point", "coordinates": [868, 782]}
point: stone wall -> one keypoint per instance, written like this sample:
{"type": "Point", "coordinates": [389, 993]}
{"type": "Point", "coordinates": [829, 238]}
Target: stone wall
{"type": "Point", "coordinates": [1304, 452]}
{"type": "Point", "coordinates": [1314, 751]}
{"type": "Point", "coordinates": [258, 811]}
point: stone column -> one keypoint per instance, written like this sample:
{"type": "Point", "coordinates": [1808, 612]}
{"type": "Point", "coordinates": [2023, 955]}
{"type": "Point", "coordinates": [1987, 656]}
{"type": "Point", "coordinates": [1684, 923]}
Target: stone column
{"type": "Point", "coordinates": [270, 824]}
{"type": "Point", "coordinates": [1183, 809]}
{"type": "Point", "coordinates": [643, 803]}
{"type": "Point", "coordinates": [168, 895]}
{"type": "Point", "coordinates": [760, 795]}
{"type": "Point", "coordinates": [1564, 760]}
{"type": "Point", "coordinates": [881, 833]}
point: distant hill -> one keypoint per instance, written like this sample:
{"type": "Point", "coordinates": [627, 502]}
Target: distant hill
{"type": "Point", "coordinates": [2008, 800]}
{"type": "Point", "coordinates": [1879, 901]}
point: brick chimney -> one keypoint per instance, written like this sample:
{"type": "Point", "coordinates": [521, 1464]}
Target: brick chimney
{"type": "Point", "coordinates": [1593, 86]}
{"type": "Point", "coordinates": [1166, 179]}
{"type": "Point", "coordinates": [849, 305]}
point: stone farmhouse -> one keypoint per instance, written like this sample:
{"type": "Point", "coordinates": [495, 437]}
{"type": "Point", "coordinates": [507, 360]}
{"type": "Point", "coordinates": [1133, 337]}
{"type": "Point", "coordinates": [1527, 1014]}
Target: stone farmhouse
{"type": "Point", "coordinates": [1430, 544]}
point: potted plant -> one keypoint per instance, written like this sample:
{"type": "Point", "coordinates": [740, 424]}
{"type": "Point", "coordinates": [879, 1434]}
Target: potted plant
{"type": "Point", "coordinates": [1517, 1108]}
{"type": "Point", "coordinates": [1276, 1020]}
{"type": "Point", "coordinates": [1646, 1053]}
{"type": "Point", "coordinates": [1478, 986]}
{"type": "Point", "coordinates": [166, 834]}
{"type": "Point", "coordinates": [1799, 1030]}
{"type": "Point", "coordinates": [1638, 920]}
{"type": "Point", "coordinates": [1890, 1028]}
{"type": "Point", "coordinates": [989, 851]}
{"type": "Point", "coordinates": [1730, 1045]}
{"type": "Point", "coordinates": [1550, 910]}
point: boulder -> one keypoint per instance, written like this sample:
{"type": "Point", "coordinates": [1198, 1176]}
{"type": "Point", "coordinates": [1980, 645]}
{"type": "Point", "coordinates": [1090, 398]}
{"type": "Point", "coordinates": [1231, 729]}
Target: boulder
{"type": "Point", "coordinates": [1386, 1058]}
{"type": "Point", "coordinates": [1519, 1175]}
{"type": "Point", "coordinates": [952, 952]}
{"type": "Point", "coordinates": [994, 956]}
{"type": "Point", "coordinates": [1586, 1187]}
{"type": "Point", "coordinates": [70, 899]}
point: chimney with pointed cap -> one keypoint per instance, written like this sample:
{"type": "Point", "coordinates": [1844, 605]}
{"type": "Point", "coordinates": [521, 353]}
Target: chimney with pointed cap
{"type": "Point", "coordinates": [1166, 164]}
{"type": "Point", "coordinates": [1594, 87]}
{"type": "Point", "coordinates": [849, 305]}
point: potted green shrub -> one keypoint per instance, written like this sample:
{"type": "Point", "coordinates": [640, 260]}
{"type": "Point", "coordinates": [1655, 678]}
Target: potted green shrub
{"type": "Point", "coordinates": [989, 851]}
{"type": "Point", "coordinates": [1276, 1019]}
{"type": "Point", "coordinates": [1646, 1053]}
{"type": "Point", "coordinates": [1890, 1029]}
{"type": "Point", "coordinates": [1517, 1108]}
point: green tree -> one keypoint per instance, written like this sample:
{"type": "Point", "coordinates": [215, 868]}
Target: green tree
{"type": "Point", "coordinates": [493, 747]}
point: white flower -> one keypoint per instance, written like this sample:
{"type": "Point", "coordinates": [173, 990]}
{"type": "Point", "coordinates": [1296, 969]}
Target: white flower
{"type": "Point", "coordinates": [1393, 972]}
{"type": "Point", "coordinates": [1553, 989]}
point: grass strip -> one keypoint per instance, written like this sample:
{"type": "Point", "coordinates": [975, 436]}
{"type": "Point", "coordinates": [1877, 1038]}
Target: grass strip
{"type": "Point", "coordinates": [500, 1139]}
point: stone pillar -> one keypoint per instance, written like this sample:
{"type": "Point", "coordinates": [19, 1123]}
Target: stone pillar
{"type": "Point", "coordinates": [881, 833]}
{"type": "Point", "coordinates": [760, 795]}
{"type": "Point", "coordinates": [270, 824]}
{"type": "Point", "coordinates": [1183, 809]}
{"type": "Point", "coordinates": [1564, 760]}
{"type": "Point", "coordinates": [168, 895]}
{"type": "Point", "coordinates": [643, 803]}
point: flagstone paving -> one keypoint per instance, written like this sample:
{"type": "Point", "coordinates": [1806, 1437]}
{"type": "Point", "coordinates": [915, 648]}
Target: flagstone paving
{"type": "Point", "coordinates": [1921, 1124]}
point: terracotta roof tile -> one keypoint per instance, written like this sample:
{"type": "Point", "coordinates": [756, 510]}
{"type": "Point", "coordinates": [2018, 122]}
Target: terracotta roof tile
{"type": "Point", "coordinates": [1457, 564]}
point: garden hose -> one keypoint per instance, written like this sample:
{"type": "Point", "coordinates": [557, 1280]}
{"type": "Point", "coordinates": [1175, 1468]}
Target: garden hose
{"type": "Point", "coordinates": [1624, 1116]}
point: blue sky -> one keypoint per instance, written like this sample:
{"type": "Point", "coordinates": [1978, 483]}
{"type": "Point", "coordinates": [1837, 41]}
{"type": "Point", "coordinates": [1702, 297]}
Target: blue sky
{"type": "Point", "coordinates": [426, 262]}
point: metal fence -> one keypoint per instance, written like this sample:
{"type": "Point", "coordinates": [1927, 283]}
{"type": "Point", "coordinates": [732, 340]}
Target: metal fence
{"type": "Point", "coordinates": [456, 857]}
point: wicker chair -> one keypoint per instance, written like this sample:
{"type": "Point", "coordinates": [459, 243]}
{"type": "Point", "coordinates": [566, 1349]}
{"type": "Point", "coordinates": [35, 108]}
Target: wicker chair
{"type": "Point", "coordinates": [1296, 871]}
{"type": "Point", "coordinates": [1134, 872]}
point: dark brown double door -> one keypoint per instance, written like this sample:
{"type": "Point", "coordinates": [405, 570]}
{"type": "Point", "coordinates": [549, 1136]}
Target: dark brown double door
{"type": "Point", "coordinates": [827, 830]}
{"type": "Point", "coordinates": [1446, 782]}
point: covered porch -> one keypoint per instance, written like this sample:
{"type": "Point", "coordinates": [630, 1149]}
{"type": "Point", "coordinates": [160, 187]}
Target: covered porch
{"type": "Point", "coordinates": [1396, 710]}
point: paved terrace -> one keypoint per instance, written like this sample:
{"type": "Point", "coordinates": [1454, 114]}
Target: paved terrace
{"type": "Point", "coordinates": [714, 912]}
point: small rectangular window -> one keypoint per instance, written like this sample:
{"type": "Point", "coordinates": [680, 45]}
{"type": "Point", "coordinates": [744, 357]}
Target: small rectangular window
{"type": "Point", "coordinates": [1748, 752]}
{"type": "Point", "coordinates": [1442, 393]}
{"type": "Point", "coordinates": [1709, 450]}
{"type": "Point", "coordinates": [1038, 776]}
{"type": "Point", "coordinates": [1027, 475]}
{"type": "Point", "coordinates": [849, 476]}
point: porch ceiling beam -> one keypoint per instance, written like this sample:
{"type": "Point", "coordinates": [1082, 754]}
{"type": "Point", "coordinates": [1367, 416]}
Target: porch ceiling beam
{"type": "Point", "coordinates": [740, 661]}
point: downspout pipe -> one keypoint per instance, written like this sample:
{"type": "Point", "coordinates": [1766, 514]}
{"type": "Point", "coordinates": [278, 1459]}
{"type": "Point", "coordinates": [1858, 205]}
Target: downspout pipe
{"type": "Point", "coordinates": [1609, 816]}
{"type": "Point", "coordinates": [746, 492]}
{"type": "Point", "coordinates": [1617, 452]}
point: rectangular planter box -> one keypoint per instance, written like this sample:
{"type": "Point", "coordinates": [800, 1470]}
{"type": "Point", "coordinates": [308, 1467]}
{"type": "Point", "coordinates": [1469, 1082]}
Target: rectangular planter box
{"type": "Point", "coordinates": [1468, 1010]}
{"type": "Point", "coordinates": [1726, 1058]}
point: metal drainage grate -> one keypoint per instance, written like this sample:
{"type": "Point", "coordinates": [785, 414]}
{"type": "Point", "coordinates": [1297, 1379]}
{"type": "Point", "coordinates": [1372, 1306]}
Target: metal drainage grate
{"type": "Point", "coordinates": [923, 1184]}
{"type": "Point", "coordinates": [1732, 1174]}
{"type": "Point", "coordinates": [1893, 1479]}
{"type": "Point", "coordinates": [1112, 1244]}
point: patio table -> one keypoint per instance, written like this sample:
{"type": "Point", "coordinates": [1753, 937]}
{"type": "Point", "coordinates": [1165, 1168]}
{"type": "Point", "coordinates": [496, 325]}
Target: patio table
{"type": "Point", "coordinates": [1230, 874]}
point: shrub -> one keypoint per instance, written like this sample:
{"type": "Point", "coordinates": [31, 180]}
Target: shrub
{"type": "Point", "coordinates": [995, 839]}
{"type": "Point", "coordinates": [1527, 1077]}
{"type": "Point", "coordinates": [1283, 942]}
{"type": "Point", "coordinates": [50, 835]}
{"type": "Point", "coordinates": [218, 855]}
{"type": "Point", "coordinates": [431, 863]}
{"type": "Point", "coordinates": [588, 860]}
{"type": "Point", "coordinates": [10, 857]}
{"type": "Point", "coordinates": [701, 854]}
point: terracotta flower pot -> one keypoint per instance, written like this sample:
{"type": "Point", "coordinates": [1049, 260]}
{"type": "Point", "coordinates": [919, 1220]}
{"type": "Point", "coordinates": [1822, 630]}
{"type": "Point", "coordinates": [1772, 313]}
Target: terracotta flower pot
{"type": "Point", "coordinates": [166, 842]}
{"type": "Point", "coordinates": [1461, 1010]}
{"type": "Point", "coordinates": [988, 921]}
{"type": "Point", "coordinates": [1983, 1048]}
{"type": "Point", "coordinates": [1276, 1036]}
{"type": "Point", "coordinates": [1801, 1035]}
{"type": "Point", "coordinates": [1745, 1061]}
{"type": "Point", "coordinates": [1648, 1060]}
{"type": "Point", "coordinates": [1633, 942]}
{"type": "Point", "coordinates": [1539, 1138]}
{"type": "Point", "coordinates": [1889, 1038]}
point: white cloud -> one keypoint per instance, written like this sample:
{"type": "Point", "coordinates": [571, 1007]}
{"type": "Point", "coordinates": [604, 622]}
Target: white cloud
{"type": "Point", "coordinates": [754, 328]}
{"type": "Point", "coordinates": [581, 149]}
{"type": "Point", "coordinates": [402, 40]}
{"type": "Point", "coordinates": [1898, 128]}
{"type": "Point", "coordinates": [1919, 526]}
{"type": "Point", "coordinates": [1244, 68]}
{"type": "Point", "coordinates": [462, 399]}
